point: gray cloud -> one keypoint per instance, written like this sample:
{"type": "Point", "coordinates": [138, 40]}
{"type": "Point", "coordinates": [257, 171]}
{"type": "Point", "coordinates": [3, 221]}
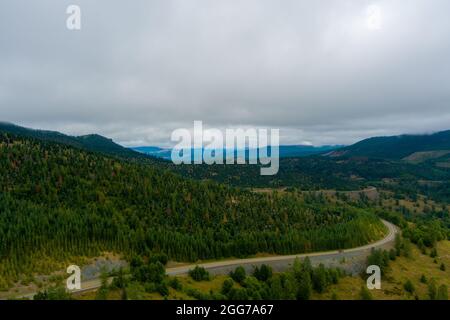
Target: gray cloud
{"type": "Point", "coordinates": [137, 71]}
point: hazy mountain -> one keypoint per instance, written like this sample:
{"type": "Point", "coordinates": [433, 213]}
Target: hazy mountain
{"type": "Point", "coordinates": [285, 151]}
{"type": "Point", "coordinates": [302, 150]}
{"type": "Point", "coordinates": [163, 153]}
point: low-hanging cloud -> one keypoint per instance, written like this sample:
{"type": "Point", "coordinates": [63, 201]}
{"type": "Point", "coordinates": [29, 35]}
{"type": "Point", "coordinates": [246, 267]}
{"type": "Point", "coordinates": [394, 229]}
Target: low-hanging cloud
{"type": "Point", "coordinates": [138, 70]}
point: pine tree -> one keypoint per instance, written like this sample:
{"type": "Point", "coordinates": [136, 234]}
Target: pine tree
{"type": "Point", "coordinates": [365, 294]}
{"type": "Point", "coordinates": [442, 293]}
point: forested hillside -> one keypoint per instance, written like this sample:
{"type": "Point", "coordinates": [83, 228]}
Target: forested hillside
{"type": "Point", "coordinates": [396, 147]}
{"type": "Point", "coordinates": [431, 178]}
{"type": "Point", "coordinates": [91, 142]}
{"type": "Point", "coordinates": [425, 172]}
{"type": "Point", "coordinates": [57, 201]}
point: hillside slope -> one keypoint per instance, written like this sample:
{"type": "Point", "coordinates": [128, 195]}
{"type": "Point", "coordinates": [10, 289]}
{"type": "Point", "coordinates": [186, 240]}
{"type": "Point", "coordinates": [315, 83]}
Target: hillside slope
{"type": "Point", "coordinates": [92, 142]}
{"type": "Point", "coordinates": [57, 201]}
{"type": "Point", "coordinates": [395, 147]}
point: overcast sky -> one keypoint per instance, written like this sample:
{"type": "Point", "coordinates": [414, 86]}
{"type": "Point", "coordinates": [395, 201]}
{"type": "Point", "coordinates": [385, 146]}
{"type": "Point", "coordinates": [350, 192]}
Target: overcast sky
{"type": "Point", "coordinates": [323, 71]}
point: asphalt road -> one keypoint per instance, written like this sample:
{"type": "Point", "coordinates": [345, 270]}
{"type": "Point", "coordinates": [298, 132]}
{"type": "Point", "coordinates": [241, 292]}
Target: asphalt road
{"type": "Point", "coordinates": [354, 260]}
{"type": "Point", "coordinates": [280, 263]}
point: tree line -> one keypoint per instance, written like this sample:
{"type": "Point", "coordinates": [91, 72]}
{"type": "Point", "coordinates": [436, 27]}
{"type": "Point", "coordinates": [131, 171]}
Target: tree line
{"type": "Point", "coordinates": [59, 202]}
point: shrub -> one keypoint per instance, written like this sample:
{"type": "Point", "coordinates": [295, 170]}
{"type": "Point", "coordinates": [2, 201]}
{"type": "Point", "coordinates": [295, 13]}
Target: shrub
{"type": "Point", "coordinates": [407, 250]}
{"type": "Point", "coordinates": [159, 257]}
{"type": "Point", "coordinates": [379, 258]}
{"type": "Point", "coordinates": [55, 293]}
{"type": "Point", "coordinates": [150, 287]}
{"type": "Point", "coordinates": [442, 293]}
{"type": "Point", "coordinates": [263, 273]}
{"type": "Point", "coordinates": [392, 254]}
{"type": "Point", "coordinates": [423, 279]}
{"type": "Point", "coordinates": [199, 274]}
{"type": "Point", "coordinates": [319, 279]}
{"type": "Point", "coordinates": [365, 294]}
{"type": "Point", "coordinates": [197, 294]}
{"type": "Point", "coordinates": [238, 294]}
{"type": "Point", "coordinates": [119, 282]}
{"type": "Point", "coordinates": [226, 286]}
{"type": "Point", "coordinates": [238, 275]}
{"type": "Point", "coordinates": [432, 291]}
{"type": "Point", "coordinates": [408, 286]}
{"type": "Point", "coordinates": [153, 272]}
{"type": "Point", "coordinates": [304, 286]}
{"type": "Point", "coordinates": [162, 289]}
{"type": "Point", "coordinates": [175, 284]}
{"type": "Point", "coordinates": [433, 253]}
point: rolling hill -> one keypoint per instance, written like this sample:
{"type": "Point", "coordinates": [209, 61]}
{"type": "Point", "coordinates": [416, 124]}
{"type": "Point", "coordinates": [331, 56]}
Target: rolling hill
{"type": "Point", "coordinates": [397, 163]}
{"type": "Point", "coordinates": [92, 142]}
{"type": "Point", "coordinates": [396, 147]}
{"type": "Point", "coordinates": [58, 201]}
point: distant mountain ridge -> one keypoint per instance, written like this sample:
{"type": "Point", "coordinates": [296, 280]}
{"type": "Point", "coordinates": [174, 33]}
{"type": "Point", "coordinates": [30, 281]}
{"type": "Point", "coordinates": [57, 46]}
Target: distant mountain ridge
{"type": "Point", "coordinates": [411, 148]}
{"type": "Point", "coordinates": [362, 165]}
{"type": "Point", "coordinates": [163, 153]}
{"type": "Point", "coordinates": [285, 151]}
{"type": "Point", "coordinates": [91, 142]}
{"type": "Point", "coordinates": [397, 147]}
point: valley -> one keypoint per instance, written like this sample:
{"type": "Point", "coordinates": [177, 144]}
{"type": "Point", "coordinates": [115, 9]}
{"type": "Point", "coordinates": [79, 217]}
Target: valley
{"type": "Point", "coordinates": [67, 200]}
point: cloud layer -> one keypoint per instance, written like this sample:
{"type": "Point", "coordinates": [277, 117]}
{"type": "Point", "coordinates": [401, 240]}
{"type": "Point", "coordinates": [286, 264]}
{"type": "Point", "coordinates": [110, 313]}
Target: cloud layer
{"type": "Point", "coordinates": [138, 70]}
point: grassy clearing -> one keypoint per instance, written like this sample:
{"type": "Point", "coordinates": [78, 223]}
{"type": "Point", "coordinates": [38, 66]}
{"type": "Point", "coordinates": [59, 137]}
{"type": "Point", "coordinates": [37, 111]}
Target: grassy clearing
{"type": "Point", "coordinates": [138, 293]}
{"type": "Point", "coordinates": [401, 270]}
{"type": "Point", "coordinates": [348, 288]}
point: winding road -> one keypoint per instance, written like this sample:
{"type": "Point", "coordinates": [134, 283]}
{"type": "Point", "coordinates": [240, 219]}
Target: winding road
{"type": "Point", "coordinates": [351, 260]}
{"type": "Point", "coordinates": [280, 263]}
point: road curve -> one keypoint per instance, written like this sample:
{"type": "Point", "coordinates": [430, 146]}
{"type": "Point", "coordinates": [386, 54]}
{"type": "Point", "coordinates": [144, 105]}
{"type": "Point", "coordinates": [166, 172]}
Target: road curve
{"type": "Point", "coordinates": [278, 263]}
{"type": "Point", "coordinates": [223, 267]}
